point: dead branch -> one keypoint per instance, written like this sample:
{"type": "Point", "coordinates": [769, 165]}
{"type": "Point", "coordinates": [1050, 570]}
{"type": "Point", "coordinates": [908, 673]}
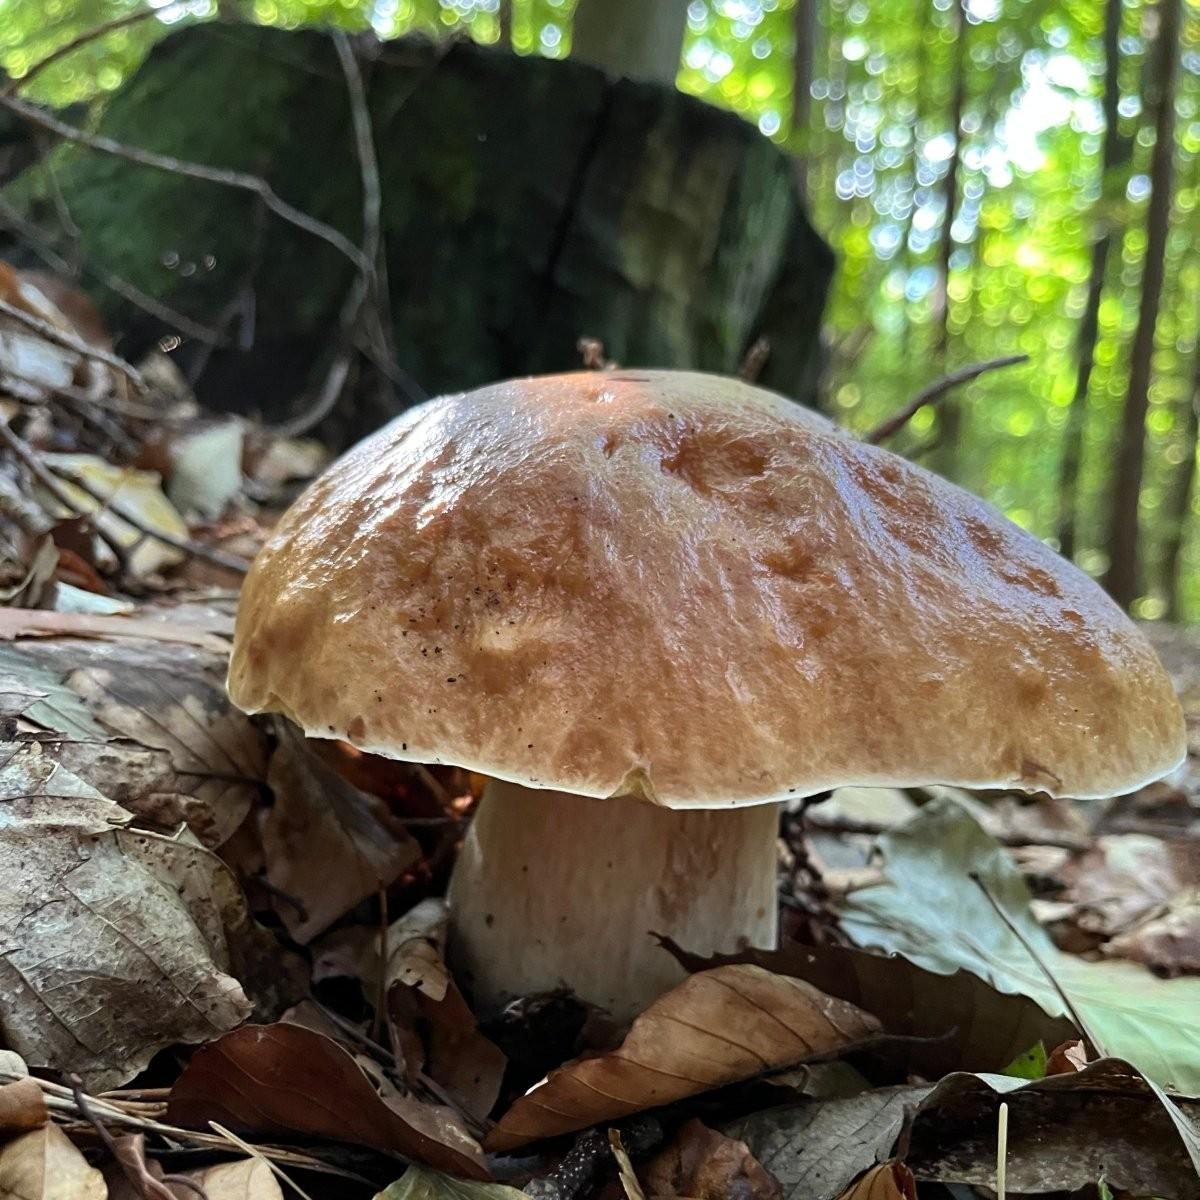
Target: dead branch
{"type": "Point", "coordinates": [238, 180]}
{"type": "Point", "coordinates": [364, 282]}
{"type": "Point", "coordinates": [817, 823]}
{"type": "Point", "coordinates": [185, 545]}
{"type": "Point", "coordinates": [15, 85]}
{"type": "Point", "coordinates": [60, 337]}
{"type": "Point", "coordinates": [39, 242]}
{"type": "Point", "coordinates": [935, 391]}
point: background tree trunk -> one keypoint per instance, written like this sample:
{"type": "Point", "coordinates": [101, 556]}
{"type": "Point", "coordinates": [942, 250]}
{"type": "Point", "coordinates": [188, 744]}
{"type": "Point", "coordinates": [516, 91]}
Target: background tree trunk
{"type": "Point", "coordinates": [949, 426]}
{"type": "Point", "coordinates": [1115, 152]}
{"type": "Point", "coordinates": [1122, 544]}
{"type": "Point", "coordinates": [641, 39]}
{"type": "Point", "coordinates": [1178, 501]}
{"type": "Point", "coordinates": [804, 27]}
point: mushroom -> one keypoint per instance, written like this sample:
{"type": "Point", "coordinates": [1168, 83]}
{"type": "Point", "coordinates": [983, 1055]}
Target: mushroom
{"type": "Point", "coordinates": [651, 607]}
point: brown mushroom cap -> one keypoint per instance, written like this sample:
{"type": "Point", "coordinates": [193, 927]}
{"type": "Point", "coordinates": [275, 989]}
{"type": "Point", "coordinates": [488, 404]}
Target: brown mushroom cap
{"type": "Point", "coordinates": [681, 586]}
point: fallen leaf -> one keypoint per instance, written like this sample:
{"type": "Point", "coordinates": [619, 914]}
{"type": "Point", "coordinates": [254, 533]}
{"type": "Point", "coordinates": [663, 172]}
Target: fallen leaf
{"type": "Point", "coordinates": [432, 1027]}
{"type": "Point", "coordinates": [327, 844]}
{"type": "Point", "coordinates": [22, 1107]}
{"type": "Point", "coordinates": [1167, 940]}
{"type": "Point", "coordinates": [420, 1183]}
{"type": "Point", "coordinates": [1066, 1059]}
{"type": "Point", "coordinates": [111, 944]}
{"type": "Point", "coordinates": [126, 489]}
{"type": "Point", "coordinates": [206, 468]}
{"type": "Point", "coordinates": [714, 1028]}
{"type": "Point", "coordinates": [1064, 1133]}
{"type": "Point", "coordinates": [891, 1180]}
{"type": "Point", "coordinates": [244, 1179]}
{"type": "Point", "coordinates": [45, 1165]}
{"type": "Point", "coordinates": [706, 1165]}
{"type": "Point", "coordinates": [931, 911]}
{"type": "Point", "coordinates": [285, 1079]}
{"type": "Point", "coordinates": [951, 1022]}
{"type": "Point", "coordinates": [1124, 878]}
{"type": "Point", "coordinates": [817, 1148]}
{"type": "Point", "coordinates": [147, 724]}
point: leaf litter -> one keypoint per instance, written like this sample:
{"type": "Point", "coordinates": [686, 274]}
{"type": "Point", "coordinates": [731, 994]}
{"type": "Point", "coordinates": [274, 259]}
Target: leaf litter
{"type": "Point", "coordinates": [175, 875]}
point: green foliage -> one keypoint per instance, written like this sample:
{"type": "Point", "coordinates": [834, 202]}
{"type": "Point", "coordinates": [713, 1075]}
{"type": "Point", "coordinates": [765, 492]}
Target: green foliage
{"type": "Point", "coordinates": [1030, 201]}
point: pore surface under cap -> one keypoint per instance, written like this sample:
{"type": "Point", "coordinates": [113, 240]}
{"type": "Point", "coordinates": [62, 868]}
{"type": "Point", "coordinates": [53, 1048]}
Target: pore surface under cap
{"type": "Point", "coordinates": [684, 586]}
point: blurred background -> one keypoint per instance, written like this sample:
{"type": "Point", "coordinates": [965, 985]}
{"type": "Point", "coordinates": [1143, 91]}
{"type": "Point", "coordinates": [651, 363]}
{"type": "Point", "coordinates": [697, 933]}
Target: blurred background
{"type": "Point", "coordinates": [994, 177]}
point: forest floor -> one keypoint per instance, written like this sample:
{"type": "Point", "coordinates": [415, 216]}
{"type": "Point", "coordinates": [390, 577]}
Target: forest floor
{"type": "Point", "coordinates": [222, 970]}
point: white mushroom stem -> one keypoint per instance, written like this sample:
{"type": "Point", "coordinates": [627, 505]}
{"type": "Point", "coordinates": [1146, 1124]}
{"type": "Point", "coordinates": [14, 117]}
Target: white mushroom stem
{"type": "Point", "coordinates": [553, 890]}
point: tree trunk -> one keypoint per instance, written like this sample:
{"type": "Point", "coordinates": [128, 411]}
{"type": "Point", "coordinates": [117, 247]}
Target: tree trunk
{"type": "Point", "coordinates": [949, 425]}
{"type": "Point", "coordinates": [804, 26]}
{"type": "Point", "coordinates": [1178, 501]}
{"type": "Point", "coordinates": [1115, 151]}
{"type": "Point", "coordinates": [1122, 576]}
{"type": "Point", "coordinates": [914, 153]}
{"type": "Point", "coordinates": [634, 38]}
{"type": "Point", "coordinates": [505, 16]}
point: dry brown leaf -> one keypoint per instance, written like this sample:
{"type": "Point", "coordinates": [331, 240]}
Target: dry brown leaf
{"type": "Point", "coordinates": [150, 726]}
{"type": "Point", "coordinates": [327, 844]}
{"type": "Point", "coordinates": [285, 1079]}
{"type": "Point", "coordinates": [244, 1179]}
{"type": "Point", "coordinates": [891, 1180]}
{"type": "Point", "coordinates": [432, 1028]}
{"type": "Point", "coordinates": [706, 1165]}
{"type": "Point", "coordinates": [44, 1165]}
{"type": "Point", "coordinates": [1167, 940]}
{"type": "Point", "coordinates": [716, 1027]}
{"type": "Point", "coordinates": [1066, 1059]}
{"type": "Point", "coordinates": [1124, 878]}
{"type": "Point", "coordinates": [112, 942]}
{"type": "Point", "coordinates": [22, 1107]}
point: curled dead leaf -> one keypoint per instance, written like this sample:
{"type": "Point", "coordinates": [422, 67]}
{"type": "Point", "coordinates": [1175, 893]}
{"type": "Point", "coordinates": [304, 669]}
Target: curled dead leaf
{"type": "Point", "coordinates": [891, 1180]}
{"type": "Point", "coordinates": [286, 1079]}
{"type": "Point", "coordinates": [327, 844]}
{"type": "Point", "coordinates": [432, 1027]}
{"type": "Point", "coordinates": [706, 1165]}
{"type": "Point", "coordinates": [22, 1107]}
{"type": "Point", "coordinates": [715, 1028]}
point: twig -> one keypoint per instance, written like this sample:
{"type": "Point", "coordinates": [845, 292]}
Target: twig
{"type": "Point", "coordinates": [39, 242]}
{"type": "Point", "coordinates": [935, 391]}
{"type": "Point", "coordinates": [142, 1182]}
{"type": "Point", "coordinates": [185, 545]}
{"type": "Point", "coordinates": [1093, 1046]}
{"type": "Point", "coordinates": [379, 1024]}
{"type": "Point", "coordinates": [625, 1171]}
{"type": "Point", "coordinates": [15, 85]}
{"type": "Point", "coordinates": [364, 282]}
{"type": "Point", "coordinates": [255, 1152]}
{"type": "Point", "coordinates": [62, 338]}
{"type": "Point", "coordinates": [238, 180]}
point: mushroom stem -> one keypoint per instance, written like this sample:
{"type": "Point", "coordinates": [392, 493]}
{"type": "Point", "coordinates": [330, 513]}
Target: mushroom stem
{"type": "Point", "coordinates": [555, 890]}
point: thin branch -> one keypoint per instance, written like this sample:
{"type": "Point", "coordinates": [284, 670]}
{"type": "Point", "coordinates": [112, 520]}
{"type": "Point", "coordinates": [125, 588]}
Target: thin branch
{"type": "Point", "coordinates": [238, 180]}
{"type": "Point", "coordinates": [15, 85]}
{"type": "Point", "coordinates": [1094, 1047]}
{"type": "Point", "coordinates": [935, 391]}
{"type": "Point", "coordinates": [60, 337]}
{"type": "Point", "coordinates": [185, 545]}
{"type": "Point", "coordinates": [39, 242]}
{"type": "Point", "coordinates": [364, 283]}
{"type": "Point", "coordinates": [816, 823]}
{"type": "Point", "coordinates": [140, 1179]}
